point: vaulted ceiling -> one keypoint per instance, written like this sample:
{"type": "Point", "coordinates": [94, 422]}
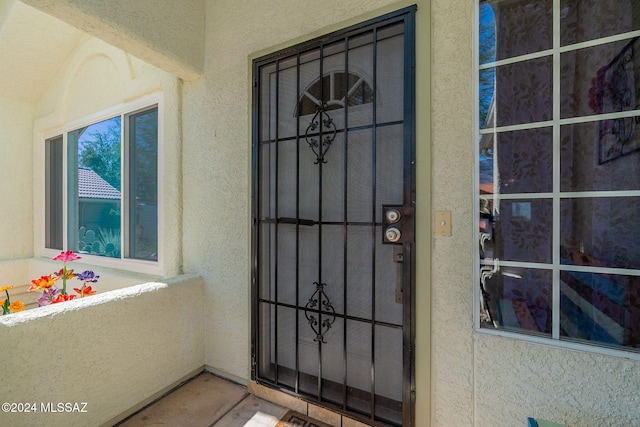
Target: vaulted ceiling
{"type": "Point", "coordinates": [35, 42]}
{"type": "Point", "coordinates": [33, 47]}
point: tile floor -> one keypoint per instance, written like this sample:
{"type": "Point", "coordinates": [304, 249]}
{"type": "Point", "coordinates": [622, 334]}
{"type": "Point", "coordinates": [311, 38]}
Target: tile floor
{"type": "Point", "coordinates": [205, 401]}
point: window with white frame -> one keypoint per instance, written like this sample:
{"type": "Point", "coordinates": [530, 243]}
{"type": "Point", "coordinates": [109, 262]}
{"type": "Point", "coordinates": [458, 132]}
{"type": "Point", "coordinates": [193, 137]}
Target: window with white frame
{"type": "Point", "coordinates": [101, 187]}
{"type": "Point", "coordinates": [558, 170]}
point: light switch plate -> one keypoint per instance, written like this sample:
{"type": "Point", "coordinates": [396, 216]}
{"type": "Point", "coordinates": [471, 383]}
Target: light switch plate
{"type": "Point", "coordinates": [442, 223]}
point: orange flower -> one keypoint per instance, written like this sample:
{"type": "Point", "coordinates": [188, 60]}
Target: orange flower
{"type": "Point", "coordinates": [2, 301]}
{"type": "Point", "coordinates": [63, 298]}
{"type": "Point", "coordinates": [5, 288]}
{"type": "Point", "coordinates": [84, 291]}
{"type": "Point", "coordinates": [65, 273]}
{"type": "Point", "coordinates": [42, 283]}
{"type": "Point", "coordinates": [16, 306]}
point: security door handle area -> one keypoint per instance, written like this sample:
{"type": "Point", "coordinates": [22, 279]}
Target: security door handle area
{"type": "Point", "coordinates": [398, 224]}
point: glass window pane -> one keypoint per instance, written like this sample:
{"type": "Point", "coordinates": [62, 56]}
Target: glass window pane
{"type": "Point", "coordinates": [603, 308]}
{"type": "Point", "coordinates": [518, 300]}
{"type": "Point", "coordinates": [485, 168]}
{"type": "Point", "coordinates": [486, 92]}
{"type": "Point", "coordinates": [53, 193]}
{"type": "Point", "coordinates": [143, 185]}
{"type": "Point", "coordinates": [94, 212]}
{"type": "Point", "coordinates": [589, 20]}
{"type": "Point", "coordinates": [487, 33]}
{"type": "Point", "coordinates": [593, 158]}
{"type": "Point", "coordinates": [522, 26]}
{"type": "Point", "coordinates": [522, 230]}
{"type": "Point", "coordinates": [525, 161]}
{"type": "Point", "coordinates": [600, 232]}
{"type": "Point", "coordinates": [600, 79]}
{"type": "Point", "coordinates": [523, 92]}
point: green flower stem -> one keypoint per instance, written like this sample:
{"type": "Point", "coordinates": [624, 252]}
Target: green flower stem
{"type": "Point", "coordinates": [64, 279]}
{"type": "Point", "coordinates": [5, 307]}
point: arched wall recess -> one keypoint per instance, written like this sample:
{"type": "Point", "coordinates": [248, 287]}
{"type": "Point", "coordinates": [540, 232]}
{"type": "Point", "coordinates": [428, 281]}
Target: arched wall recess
{"type": "Point", "coordinates": [99, 76]}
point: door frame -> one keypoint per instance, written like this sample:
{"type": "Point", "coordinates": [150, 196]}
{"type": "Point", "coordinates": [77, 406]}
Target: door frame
{"type": "Point", "coordinates": [407, 15]}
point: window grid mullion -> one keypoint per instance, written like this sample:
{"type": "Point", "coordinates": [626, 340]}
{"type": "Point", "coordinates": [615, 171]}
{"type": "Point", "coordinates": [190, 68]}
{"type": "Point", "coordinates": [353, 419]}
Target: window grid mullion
{"type": "Point", "coordinates": [125, 177]}
{"type": "Point", "coordinates": [65, 190]}
{"type": "Point", "coordinates": [555, 246]}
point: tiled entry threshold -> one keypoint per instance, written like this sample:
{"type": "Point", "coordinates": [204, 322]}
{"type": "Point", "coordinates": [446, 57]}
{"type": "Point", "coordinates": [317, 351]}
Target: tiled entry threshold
{"type": "Point", "coordinates": [208, 400]}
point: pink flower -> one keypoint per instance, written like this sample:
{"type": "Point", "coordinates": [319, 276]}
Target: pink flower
{"type": "Point", "coordinates": [67, 256]}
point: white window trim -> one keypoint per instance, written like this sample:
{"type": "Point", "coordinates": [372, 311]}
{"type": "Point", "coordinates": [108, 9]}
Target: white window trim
{"type": "Point", "coordinates": [555, 340]}
{"type": "Point", "coordinates": [125, 109]}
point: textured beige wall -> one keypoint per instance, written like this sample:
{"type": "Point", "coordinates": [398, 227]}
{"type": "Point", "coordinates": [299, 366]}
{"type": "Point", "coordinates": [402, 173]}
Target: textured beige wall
{"type": "Point", "coordinates": [515, 379]}
{"type": "Point", "coordinates": [16, 176]}
{"type": "Point", "coordinates": [452, 261]}
{"type": "Point", "coordinates": [110, 350]}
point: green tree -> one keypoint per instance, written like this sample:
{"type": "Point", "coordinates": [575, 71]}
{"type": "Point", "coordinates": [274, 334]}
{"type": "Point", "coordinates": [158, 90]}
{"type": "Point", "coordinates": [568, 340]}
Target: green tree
{"type": "Point", "coordinates": [100, 151]}
{"type": "Point", "coordinates": [487, 53]}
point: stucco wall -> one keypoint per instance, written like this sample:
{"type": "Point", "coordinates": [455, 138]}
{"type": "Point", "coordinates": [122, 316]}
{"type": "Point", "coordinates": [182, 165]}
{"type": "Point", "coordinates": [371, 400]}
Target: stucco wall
{"type": "Point", "coordinates": [452, 263]}
{"type": "Point", "coordinates": [16, 121]}
{"type": "Point", "coordinates": [119, 349]}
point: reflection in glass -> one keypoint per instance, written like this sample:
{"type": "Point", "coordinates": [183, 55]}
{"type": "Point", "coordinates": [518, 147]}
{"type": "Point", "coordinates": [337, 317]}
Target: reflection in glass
{"type": "Point", "coordinates": [525, 160]}
{"type": "Point", "coordinates": [589, 20]}
{"type": "Point", "coordinates": [523, 26]}
{"type": "Point", "coordinates": [590, 162]}
{"type": "Point", "coordinates": [53, 193]}
{"type": "Point", "coordinates": [487, 53]}
{"type": "Point", "coordinates": [487, 33]}
{"type": "Point", "coordinates": [487, 85]}
{"type": "Point", "coordinates": [517, 299]}
{"type": "Point", "coordinates": [600, 232]}
{"type": "Point", "coordinates": [95, 188]}
{"type": "Point", "coordinates": [523, 92]}
{"type": "Point", "coordinates": [520, 230]}
{"type": "Point", "coordinates": [143, 185]}
{"type": "Point", "coordinates": [600, 79]}
{"type": "Point", "coordinates": [592, 136]}
{"type": "Point", "coordinates": [602, 308]}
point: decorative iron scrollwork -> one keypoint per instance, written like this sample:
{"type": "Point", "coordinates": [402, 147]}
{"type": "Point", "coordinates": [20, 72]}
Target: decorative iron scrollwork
{"type": "Point", "coordinates": [320, 138]}
{"type": "Point", "coordinates": [319, 303]}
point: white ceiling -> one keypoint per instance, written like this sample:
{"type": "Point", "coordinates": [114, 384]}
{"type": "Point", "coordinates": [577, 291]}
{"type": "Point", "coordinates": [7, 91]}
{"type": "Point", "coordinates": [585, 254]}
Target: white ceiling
{"type": "Point", "coordinates": [33, 47]}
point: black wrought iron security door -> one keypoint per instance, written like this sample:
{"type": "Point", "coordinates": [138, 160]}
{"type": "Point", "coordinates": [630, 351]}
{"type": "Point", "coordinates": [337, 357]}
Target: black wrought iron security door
{"type": "Point", "coordinates": [333, 206]}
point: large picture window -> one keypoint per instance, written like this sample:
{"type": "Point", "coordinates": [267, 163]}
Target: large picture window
{"type": "Point", "coordinates": [558, 170]}
{"type": "Point", "coordinates": [102, 187]}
